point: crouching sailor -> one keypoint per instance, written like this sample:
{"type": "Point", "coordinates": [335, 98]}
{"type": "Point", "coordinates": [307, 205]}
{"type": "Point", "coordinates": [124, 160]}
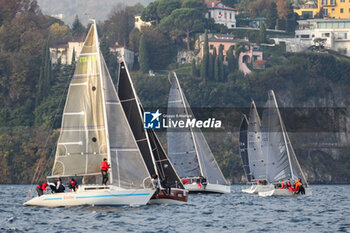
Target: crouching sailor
{"type": "Point", "coordinates": [40, 188]}
{"type": "Point", "coordinates": [299, 187]}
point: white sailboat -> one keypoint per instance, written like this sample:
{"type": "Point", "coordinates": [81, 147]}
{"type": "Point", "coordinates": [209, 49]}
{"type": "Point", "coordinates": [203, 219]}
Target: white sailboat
{"type": "Point", "coordinates": [251, 152]}
{"type": "Point", "coordinates": [281, 161]}
{"type": "Point", "coordinates": [94, 127]}
{"type": "Point", "coordinates": [156, 160]}
{"type": "Point", "coordinates": [189, 151]}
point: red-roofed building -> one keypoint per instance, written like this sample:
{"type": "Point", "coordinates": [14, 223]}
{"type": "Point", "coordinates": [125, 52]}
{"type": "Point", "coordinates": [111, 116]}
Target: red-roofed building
{"type": "Point", "coordinates": [221, 13]}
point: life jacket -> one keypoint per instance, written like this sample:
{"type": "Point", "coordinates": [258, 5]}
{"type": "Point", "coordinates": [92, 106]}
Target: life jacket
{"type": "Point", "coordinates": [73, 183]}
{"type": "Point", "coordinates": [259, 182]}
{"type": "Point", "coordinates": [282, 185]}
{"type": "Point", "coordinates": [199, 184]}
{"type": "Point", "coordinates": [186, 181]}
{"type": "Point", "coordinates": [297, 185]}
{"type": "Point", "coordinates": [42, 186]}
{"type": "Point", "coordinates": [104, 166]}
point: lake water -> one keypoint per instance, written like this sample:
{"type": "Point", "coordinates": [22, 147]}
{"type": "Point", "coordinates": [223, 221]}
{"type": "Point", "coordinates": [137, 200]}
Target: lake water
{"type": "Point", "coordinates": [327, 210]}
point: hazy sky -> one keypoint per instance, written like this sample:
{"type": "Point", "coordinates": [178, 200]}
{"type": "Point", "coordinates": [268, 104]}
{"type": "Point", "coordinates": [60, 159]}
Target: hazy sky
{"type": "Point", "coordinates": [85, 9]}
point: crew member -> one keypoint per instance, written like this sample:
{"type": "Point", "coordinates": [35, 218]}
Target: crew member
{"type": "Point", "coordinates": [59, 186]}
{"type": "Point", "coordinates": [72, 184]}
{"type": "Point", "coordinates": [204, 181]}
{"type": "Point", "coordinates": [155, 182]}
{"type": "Point", "coordinates": [40, 188]}
{"type": "Point", "coordinates": [185, 181]}
{"type": "Point", "coordinates": [104, 171]}
{"type": "Point", "coordinates": [258, 182]}
{"type": "Point", "coordinates": [299, 187]}
{"type": "Point", "coordinates": [165, 185]}
{"type": "Point", "coordinates": [282, 185]}
{"type": "Point", "coordinates": [289, 186]}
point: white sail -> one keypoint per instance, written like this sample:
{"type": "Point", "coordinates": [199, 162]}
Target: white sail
{"type": "Point", "coordinates": [194, 157]}
{"type": "Point", "coordinates": [280, 158]}
{"type": "Point", "coordinates": [255, 154]}
{"type": "Point", "coordinates": [94, 126]}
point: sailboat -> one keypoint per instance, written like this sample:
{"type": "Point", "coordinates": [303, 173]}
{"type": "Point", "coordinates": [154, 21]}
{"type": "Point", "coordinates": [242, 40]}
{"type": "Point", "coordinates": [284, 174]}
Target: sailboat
{"type": "Point", "coordinates": [156, 160]}
{"type": "Point", "coordinates": [281, 161]}
{"type": "Point", "coordinates": [251, 152]}
{"type": "Point", "coordinates": [94, 127]}
{"type": "Point", "coordinates": [189, 151]}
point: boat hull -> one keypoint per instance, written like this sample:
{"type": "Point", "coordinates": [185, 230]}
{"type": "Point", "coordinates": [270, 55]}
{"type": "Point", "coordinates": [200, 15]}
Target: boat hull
{"type": "Point", "coordinates": [94, 195]}
{"type": "Point", "coordinates": [177, 196]}
{"type": "Point", "coordinates": [258, 188]}
{"type": "Point", "coordinates": [283, 192]}
{"type": "Point", "coordinates": [210, 188]}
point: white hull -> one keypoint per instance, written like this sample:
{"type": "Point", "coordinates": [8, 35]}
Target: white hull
{"type": "Point", "coordinates": [210, 188]}
{"type": "Point", "coordinates": [283, 192]}
{"type": "Point", "coordinates": [94, 195]}
{"type": "Point", "coordinates": [258, 188]}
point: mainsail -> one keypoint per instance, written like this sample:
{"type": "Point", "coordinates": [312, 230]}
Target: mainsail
{"type": "Point", "coordinates": [280, 157]}
{"type": "Point", "coordinates": [256, 157]}
{"type": "Point", "coordinates": [194, 158]}
{"type": "Point", "coordinates": [94, 126]}
{"type": "Point", "coordinates": [243, 147]}
{"type": "Point", "coordinates": [153, 153]}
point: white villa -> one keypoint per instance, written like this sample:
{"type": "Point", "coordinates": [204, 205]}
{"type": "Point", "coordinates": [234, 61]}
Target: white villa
{"type": "Point", "coordinates": [65, 52]}
{"type": "Point", "coordinates": [124, 53]}
{"type": "Point", "coordinates": [335, 32]}
{"type": "Point", "coordinates": [221, 13]}
{"type": "Point", "coordinates": [139, 23]}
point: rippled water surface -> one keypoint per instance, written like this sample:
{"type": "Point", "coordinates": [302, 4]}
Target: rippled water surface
{"type": "Point", "coordinates": [327, 210]}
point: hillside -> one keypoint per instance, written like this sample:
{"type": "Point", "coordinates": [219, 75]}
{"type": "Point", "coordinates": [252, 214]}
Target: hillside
{"type": "Point", "coordinates": [85, 9]}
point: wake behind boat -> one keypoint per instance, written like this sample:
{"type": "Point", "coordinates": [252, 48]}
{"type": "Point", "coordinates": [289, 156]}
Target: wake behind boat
{"type": "Point", "coordinates": [94, 127]}
{"type": "Point", "coordinates": [193, 160]}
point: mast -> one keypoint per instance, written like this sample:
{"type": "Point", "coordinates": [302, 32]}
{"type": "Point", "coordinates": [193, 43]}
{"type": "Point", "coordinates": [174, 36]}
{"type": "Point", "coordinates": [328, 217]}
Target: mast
{"type": "Point", "coordinates": [193, 139]}
{"type": "Point", "coordinates": [103, 99]}
{"type": "Point", "coordinates": [283, 132]}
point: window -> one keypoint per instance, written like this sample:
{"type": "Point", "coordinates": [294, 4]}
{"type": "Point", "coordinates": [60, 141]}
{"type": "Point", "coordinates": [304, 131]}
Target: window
{"type": "Point", "coordinates": [333, 2]}
{"type": "Point", "coordinates": [341, 10]}
{"type": "Point", "coordinates": [230, 15]}
{"type": "Point", "coordinates": [313, 35]}
{"type": "Point", "coordinates": [305, 36]}
{"type": "Point", "coordinates": [211, 46]}
{"type": "Point", "coordinates": [325, 12]}
{"type": "Point", "coordinates": [325, 34]}
{"type": "Point", "coordinates": [342, 0]}
{"type": "Point", "coordinates": [232, 25]}
{"type": "Point", "coordinates": [324, 2]}
{"type": "Point", "coordinates": [225, 15]}
{"type": "Point", "coordinates": [209, 14]}
{"type": "Point", "coordinates": [333, 10]}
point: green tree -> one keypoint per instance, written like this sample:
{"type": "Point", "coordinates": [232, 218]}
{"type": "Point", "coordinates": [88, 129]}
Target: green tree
{"type": "Point", "coordinates": [183, 21]}
{"type": "Point", "coordinates": [77, 27]}
{"type": "Point", "coordinates": [262, 34]}
{"type": "Point", "coordinates": [221, 63]}
{"type": "Point", "coordinates": [150, 13]}
{"type": "Point", "coordinates": [213, 77]}
{"type": "Point", "coordinates": [194, 70]}
{"type": "Point", "coordinates": [272, 16]}
{"type": "Point", "coordinates": [166, 7]}
{"type": "Point", "coordinates": [205, 58]}
{"type": "Point", "coordinates": [217, 70]}
{"type": "Point", "coordinates": [143, 54]}
{"type": "Point", "coordinates": [231, 60]}
{"type": "Point", "coordinates": [210, 67]}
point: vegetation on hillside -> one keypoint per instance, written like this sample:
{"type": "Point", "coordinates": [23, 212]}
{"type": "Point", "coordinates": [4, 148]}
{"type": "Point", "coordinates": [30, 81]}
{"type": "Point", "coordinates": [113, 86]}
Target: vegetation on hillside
{"type": "Point", "coordinates": [33, 91]}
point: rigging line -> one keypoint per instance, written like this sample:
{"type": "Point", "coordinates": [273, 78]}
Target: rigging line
{"type": "Point", "coordinates": [39, 170]}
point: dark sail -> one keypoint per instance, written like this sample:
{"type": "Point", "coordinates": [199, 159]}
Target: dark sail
{"type": "Point", "coordinates": [243, 147]}
{"type": "Point", "coordinates": [133, 114]}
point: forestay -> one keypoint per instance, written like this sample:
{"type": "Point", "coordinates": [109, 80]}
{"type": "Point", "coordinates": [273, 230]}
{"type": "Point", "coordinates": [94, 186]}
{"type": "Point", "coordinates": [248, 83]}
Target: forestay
{"type": "Point", "coordinates": [256, 157]}
{"type": "Point", "coordinates": [94, 126]}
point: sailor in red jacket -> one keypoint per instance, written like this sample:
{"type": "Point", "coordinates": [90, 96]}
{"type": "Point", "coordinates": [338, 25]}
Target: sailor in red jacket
{"type": "Point", "coordinates": [104, 171]}
{"type": "Point", "coordinates": [40, 188]}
